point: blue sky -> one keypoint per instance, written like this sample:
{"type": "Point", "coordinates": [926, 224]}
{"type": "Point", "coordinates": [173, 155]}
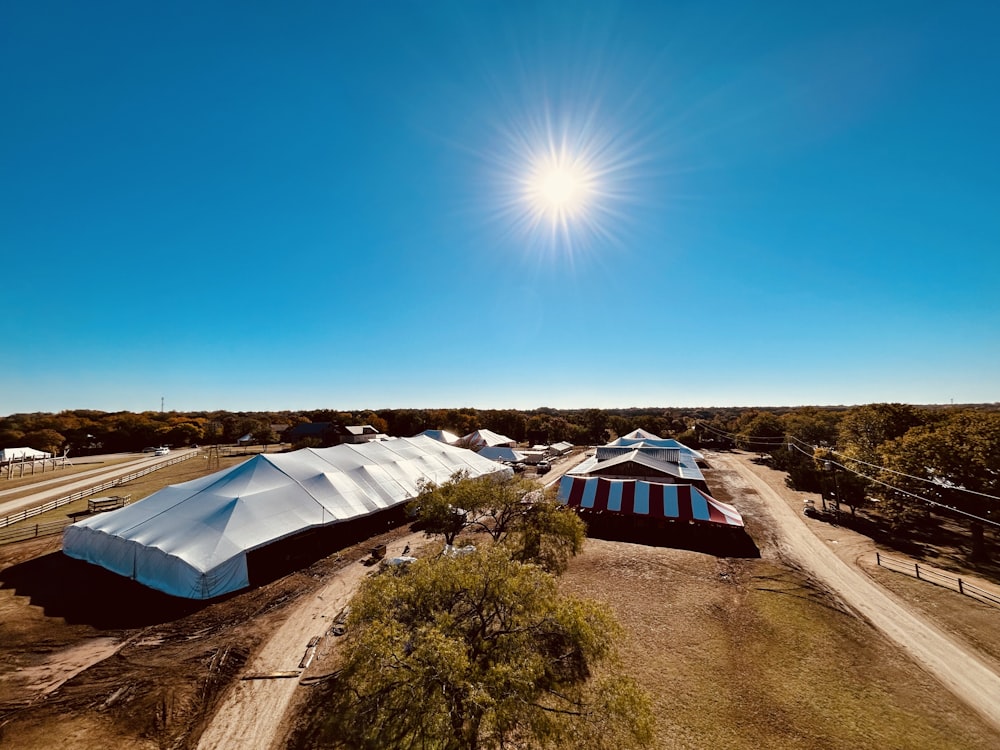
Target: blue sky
{"type": "Point", "coordinates": [255, 206]}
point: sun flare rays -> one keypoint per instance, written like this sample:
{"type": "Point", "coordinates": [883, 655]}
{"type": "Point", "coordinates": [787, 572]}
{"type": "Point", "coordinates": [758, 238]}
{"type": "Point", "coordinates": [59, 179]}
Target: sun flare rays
{"type": "Point", "coordinates": [563, 184]}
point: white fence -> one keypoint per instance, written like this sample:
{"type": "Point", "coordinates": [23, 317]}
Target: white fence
{"type": "Point", "coordinates": [116, 482]}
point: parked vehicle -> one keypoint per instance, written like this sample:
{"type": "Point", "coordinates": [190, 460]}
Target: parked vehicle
{"type": "Point", "coordinates": [543, 467]}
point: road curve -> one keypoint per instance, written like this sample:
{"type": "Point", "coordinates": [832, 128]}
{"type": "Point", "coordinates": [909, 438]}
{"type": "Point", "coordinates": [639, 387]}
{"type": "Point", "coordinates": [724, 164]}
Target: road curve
{"type": "Point", "coordinates": [965, 675]}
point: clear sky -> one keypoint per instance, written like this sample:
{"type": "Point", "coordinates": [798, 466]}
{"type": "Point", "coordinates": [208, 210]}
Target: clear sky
{"type": "Point", "coordinates": [294, 205]}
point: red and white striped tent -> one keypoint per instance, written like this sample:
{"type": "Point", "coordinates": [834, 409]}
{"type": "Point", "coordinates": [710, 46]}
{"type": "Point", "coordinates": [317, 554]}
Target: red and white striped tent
{"type": "Point", "coordinates": [630, 496]}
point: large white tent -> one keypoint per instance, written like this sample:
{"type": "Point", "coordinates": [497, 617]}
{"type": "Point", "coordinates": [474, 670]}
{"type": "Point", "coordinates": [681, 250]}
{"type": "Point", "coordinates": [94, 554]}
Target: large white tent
{"type": "Point", "coordinates": [191, 540]}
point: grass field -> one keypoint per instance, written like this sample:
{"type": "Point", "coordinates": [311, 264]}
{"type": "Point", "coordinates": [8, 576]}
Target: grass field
{"type": "Point", "coordinates": [746, 654]}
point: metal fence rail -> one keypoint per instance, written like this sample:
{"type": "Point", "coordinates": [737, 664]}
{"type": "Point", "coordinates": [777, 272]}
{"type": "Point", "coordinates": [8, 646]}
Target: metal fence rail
{"type": "Point", "coordinates": [116, 482]}
{"type": "Point", "coordinates": [936, 577]}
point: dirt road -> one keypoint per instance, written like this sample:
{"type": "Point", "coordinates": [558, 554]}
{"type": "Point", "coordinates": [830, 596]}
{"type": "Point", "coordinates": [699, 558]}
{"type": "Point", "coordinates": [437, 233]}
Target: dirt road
{"type": "Point", "coordinates": [251, 713]}
{"type": "Point", "coordinates": [965, 675]}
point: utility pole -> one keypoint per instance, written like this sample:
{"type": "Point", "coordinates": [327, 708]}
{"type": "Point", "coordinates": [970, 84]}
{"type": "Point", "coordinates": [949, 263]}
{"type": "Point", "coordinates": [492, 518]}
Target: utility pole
{"type": "Point", "coordinates": [161, 404]}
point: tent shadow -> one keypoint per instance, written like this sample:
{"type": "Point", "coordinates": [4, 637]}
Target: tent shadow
{"type": "Point", "coordinates": [87, 594]}
{"type": "Point", "coordinates": [301, 550]}
{"type": "Point", "coordinates": [709, 539]}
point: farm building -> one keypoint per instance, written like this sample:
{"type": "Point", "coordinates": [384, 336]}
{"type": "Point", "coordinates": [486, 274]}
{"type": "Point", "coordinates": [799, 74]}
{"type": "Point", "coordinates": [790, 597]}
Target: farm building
{"type": "Point", "coordinates": [650, 458]}
{"type": "Point", "coordinates": [644, 484]}
{"type": "Point", "coordinates": [641, 437]}
{"type": "Point", "coordinates": [199, 539]}
{"type": "Point", "coordinates": [680, 502]}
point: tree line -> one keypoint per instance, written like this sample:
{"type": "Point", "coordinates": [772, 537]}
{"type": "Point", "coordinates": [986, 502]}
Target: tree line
{"type": "Point", "coordinates": [87, 431]}
{"type": "Point", "coordinates": [83, 430]}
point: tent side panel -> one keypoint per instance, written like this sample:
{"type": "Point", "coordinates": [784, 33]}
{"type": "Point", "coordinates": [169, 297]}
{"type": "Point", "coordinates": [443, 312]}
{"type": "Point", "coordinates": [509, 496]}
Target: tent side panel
{"type": "Point", "coordinates": [172, 575]}
{"type": "Point", "coordinates": [98, 548]}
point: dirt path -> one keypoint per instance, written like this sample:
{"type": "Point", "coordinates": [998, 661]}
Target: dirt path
{"type": "Point", "coordinates": [251, 713]}
{"type": "Point", "coordinates": [965, 675]}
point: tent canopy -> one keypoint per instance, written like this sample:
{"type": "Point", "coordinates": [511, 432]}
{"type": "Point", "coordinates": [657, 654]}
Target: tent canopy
{"type": "Point", "coordinates": [682, 502]}
{"type": "Point", "coordinates": [501, 453]}
{"type": "Point", "coordinates": [442, 436]}
{"type": "Point", "coordinates": [192, 539]}
{"type": "Point", "coordinates": [481, 438]}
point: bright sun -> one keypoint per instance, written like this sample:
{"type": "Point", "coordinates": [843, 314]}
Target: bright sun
{"type": "Point", "coordinates": [563, 180]}
{"type": "Point", "coordinates": [559, 188]}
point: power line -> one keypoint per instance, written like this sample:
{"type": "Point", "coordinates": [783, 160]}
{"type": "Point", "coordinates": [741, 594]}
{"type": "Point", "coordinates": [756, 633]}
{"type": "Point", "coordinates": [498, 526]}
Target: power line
{"type": "Point", "coordinates": [917, 497]}
{"type": "Point", "coordinates": [911, 476]}
{"type": "Point", "coordinates": [734, 436]}
{"type": "Point", "coordinates": [789, 438]}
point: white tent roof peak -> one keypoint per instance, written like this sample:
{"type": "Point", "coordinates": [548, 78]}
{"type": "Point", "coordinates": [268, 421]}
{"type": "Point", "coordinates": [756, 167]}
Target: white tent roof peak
{"type": "Point", "coordinates": [641, 434]}
{"type": "Point", "coordinates": [485, 437]}
{"type": "Point", "coordinates": [442, 436]}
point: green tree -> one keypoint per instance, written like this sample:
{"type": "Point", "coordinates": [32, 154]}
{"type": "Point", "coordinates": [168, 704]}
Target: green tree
{"type": "Point", "coordinates": [11, 438]}
{"type": "Point", "coordinates": [760, 431]}
{"type": "Point", "coordinates": [515, 512]}
{"type": "Point", "coordinates": [185, 433]}
{"type": "Point", "coordinates": [961, 451]}
{"type": "Point", "coordinates": [45, 440]}
{"type": "Point", "coordinates": [481, 652]}
{"type": "Point", "coordinates": [263, 434]}
{"type": "Point", "coordinates": [441, 509]}
{"type": "Point", "coordinates": [863, 429]}
{"type": "Point", "coordinates": [547, 534]}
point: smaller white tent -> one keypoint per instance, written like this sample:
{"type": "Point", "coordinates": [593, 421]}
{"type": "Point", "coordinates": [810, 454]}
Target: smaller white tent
{"type": "Point", "coordinates": [22, 454]}
{"type": "Point", "coordinates": [501, 453]}
{"type": "Point", "coordinates": [442, 436]}
{"type": "Point", "coordinates": [487, 438]}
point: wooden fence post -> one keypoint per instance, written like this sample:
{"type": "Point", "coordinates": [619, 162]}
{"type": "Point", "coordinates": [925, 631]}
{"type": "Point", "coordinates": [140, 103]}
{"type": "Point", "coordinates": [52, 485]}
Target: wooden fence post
{"type": "Point", "coordinates": [878, 559]}
{"type": "Point", "coordinates": [961, 590]}
{"type": "Point", "coordinates": [916, 569]}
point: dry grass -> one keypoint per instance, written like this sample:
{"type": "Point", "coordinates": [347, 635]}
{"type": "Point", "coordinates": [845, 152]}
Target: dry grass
{"type": "Point", "coordinates": [742, 654]}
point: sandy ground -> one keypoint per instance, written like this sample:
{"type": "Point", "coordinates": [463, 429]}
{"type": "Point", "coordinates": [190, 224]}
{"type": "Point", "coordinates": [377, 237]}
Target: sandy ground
{"type": "Point", "coordinates": [252, 712]}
